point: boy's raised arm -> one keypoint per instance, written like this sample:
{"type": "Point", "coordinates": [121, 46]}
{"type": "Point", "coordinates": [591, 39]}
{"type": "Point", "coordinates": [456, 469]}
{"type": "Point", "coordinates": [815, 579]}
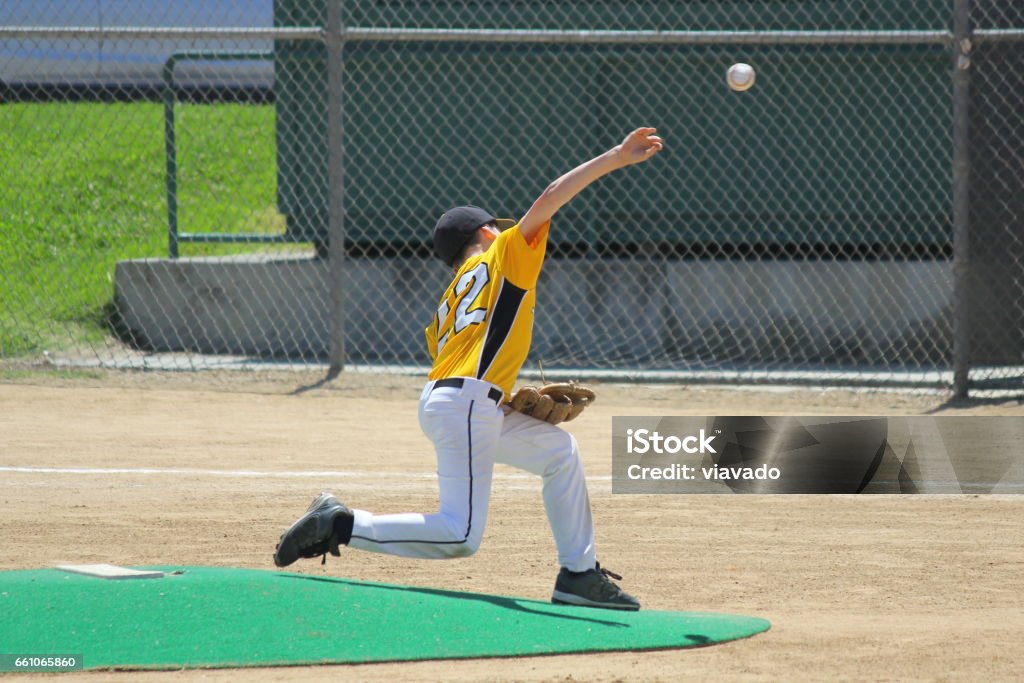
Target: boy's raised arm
{"type": "Point", "coordinates": [640, 145]}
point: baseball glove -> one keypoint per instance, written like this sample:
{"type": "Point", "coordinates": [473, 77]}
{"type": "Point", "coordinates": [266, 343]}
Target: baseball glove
{"type": "Point", "coordinates": [553, 403]}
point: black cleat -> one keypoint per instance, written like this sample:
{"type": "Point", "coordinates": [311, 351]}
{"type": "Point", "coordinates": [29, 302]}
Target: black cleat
{"type": "Point", "coordinates": [313, 533]}
{"type": "Point", "coordinates": [592, 588]}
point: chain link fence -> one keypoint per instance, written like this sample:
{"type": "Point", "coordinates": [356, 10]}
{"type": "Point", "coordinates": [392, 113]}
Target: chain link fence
{"type": "Point", "coordinates": [240, 184]}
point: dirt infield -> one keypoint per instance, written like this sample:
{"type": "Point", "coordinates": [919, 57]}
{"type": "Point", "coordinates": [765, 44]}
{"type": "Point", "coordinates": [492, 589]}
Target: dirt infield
{"type": "Point", "coordinates": [857, 587]}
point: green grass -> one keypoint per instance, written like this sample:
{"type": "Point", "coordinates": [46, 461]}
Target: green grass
{"type": "Point", "coordinates": [17, 374]}
{"type": "Point", "coordinates": [83, 187]}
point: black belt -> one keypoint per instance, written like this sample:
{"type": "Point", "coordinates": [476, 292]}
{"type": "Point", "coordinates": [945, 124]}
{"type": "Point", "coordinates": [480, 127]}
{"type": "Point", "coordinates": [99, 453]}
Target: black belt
{"type": "Point", "coordinates": [494, 394]}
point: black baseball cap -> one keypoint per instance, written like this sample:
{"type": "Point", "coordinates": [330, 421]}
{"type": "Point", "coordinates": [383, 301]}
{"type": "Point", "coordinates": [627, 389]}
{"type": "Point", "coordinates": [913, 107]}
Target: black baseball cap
{"type": "Point", "coordinates": [456, 228]}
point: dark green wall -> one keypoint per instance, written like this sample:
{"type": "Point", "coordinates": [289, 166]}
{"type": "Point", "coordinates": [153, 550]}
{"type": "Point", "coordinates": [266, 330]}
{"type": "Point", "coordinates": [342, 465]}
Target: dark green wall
{"type": "Point", "coordinates": [833, 145]}
{"type": "Point", "coordinates": [996, 243]}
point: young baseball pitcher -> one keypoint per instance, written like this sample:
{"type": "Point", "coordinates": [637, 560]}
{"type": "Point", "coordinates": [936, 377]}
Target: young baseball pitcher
{"type": "Point", "coordinates": [479, 339]}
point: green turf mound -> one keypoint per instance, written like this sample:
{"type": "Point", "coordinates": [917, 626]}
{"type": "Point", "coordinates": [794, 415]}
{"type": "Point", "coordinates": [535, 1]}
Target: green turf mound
{"type": "Point", "coordinates": [213, 617]}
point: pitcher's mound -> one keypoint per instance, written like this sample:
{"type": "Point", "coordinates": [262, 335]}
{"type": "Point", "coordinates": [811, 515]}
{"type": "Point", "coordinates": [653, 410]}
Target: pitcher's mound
{"type": "Point", "coordinates": [215, 617]}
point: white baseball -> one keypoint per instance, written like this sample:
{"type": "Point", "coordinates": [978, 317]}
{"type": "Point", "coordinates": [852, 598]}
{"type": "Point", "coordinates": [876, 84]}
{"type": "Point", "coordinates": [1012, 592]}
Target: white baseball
{"type": "Point", "coordinates": [740, 77]}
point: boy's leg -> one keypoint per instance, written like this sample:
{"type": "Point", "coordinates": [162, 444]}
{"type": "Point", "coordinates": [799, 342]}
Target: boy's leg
{"type": "Point", "coordinates": [465, 432]}
{"type": "Point", "coordinates": [552, 453]}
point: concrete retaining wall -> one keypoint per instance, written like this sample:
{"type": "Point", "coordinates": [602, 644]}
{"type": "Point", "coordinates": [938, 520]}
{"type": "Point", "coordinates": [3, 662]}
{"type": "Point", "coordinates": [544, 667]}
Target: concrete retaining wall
{"type": "Point", "coordinates": [598, 313]}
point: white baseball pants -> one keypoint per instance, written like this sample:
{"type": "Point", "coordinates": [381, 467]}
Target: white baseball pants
{"type": "Point", "coordinates": [471, 433]}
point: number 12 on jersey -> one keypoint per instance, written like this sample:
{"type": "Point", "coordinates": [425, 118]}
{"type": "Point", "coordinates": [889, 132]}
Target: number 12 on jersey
{"type": "Point", "coordinates": [466, 291]}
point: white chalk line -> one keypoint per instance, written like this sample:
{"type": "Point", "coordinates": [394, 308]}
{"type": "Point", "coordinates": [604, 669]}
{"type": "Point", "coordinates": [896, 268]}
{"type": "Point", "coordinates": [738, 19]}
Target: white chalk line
{"type": "Point", "coordinates": [197, 472]}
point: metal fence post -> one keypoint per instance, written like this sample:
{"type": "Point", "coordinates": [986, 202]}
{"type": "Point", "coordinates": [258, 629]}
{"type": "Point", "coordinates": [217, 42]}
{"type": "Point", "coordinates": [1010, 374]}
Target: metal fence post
{"type": "Point", "coordinates": [170, 152]}
{"type": "Point", "coordinates": [961, 188]}
{"type": "Point", "coordinates": [335, 190]}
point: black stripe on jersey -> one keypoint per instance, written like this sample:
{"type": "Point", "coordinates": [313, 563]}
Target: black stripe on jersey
{"type": "Point", "coordinates": [506, 308]}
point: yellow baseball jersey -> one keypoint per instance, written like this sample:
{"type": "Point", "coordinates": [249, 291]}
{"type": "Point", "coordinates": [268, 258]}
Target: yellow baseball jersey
{"type": "Point", "coordinates": [484, 320]}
